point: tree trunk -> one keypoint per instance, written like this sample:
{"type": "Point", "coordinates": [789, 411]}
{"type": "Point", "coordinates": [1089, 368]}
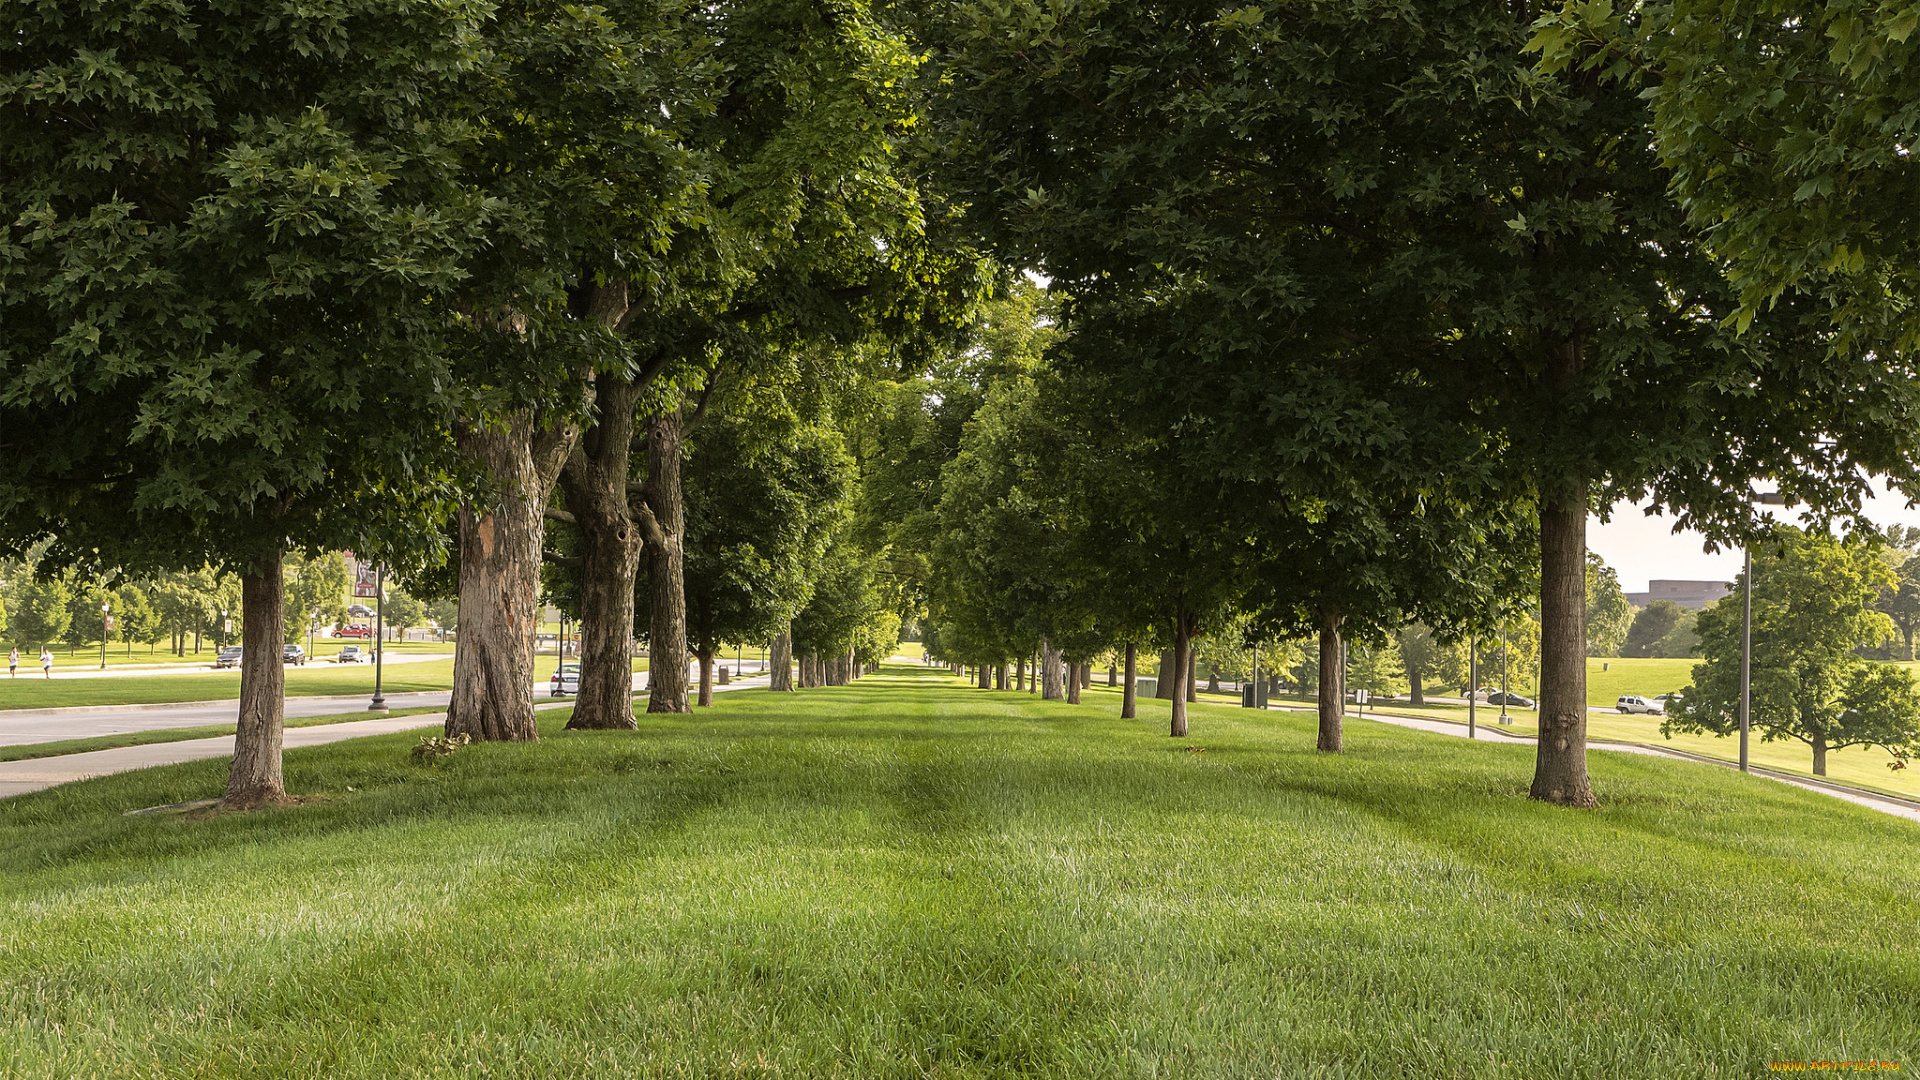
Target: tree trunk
{"type": "Point", "coordinates": [1020, 673]}
{"type": "Point", "coordinates": [1033, 678]}
{"type": "Point", "coordinates": [985, 673]}
{"type": "Point", "coordinates": [780, 662]}
{"type": "Point", "coordinates": [1908, 632]}
{"type": "Point", "coordinates": [500, 580]}
{"type": "Point", "coordinates": [1128, 708]}
{"type": "Point", "coordinates": [1333, 683]}
{"type": "Point", "coordinates": [1165, 683]}
{"type": "Point", "coordinates": [1191, 686]}
{"type": "Point", "coordinates": [1819, 755]}
{"type": "Point", "coordinates": [595, 483]}
{"type": "Point", "coordinates": [1213, 679]}
{"type": "Point", "coordinates": [1000, 676]}
{"type": "Point", "coordinates": [1113, 676]}
{"type": "Point", "coordinates": [1073, 683]}
{"type": "Point", "coordinates": [663, 523]}
{"type": "Point", "coordinates": [1560, 761]}
{"type": "Point", "coordinates": [1051, 687]}
{"type": "Point", "coordinates": [255, 778]}
{"type": "Point", "coordinates": [1414, 695]}
{"type": "Point", "coordinates": [1182, 662]}
{"type": "Point", "coordinates": [706, 677]}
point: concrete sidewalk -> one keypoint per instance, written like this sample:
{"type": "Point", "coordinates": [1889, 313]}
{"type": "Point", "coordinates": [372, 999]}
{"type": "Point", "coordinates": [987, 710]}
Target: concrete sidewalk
{"type": "Point", "coordinates": [21, 777]}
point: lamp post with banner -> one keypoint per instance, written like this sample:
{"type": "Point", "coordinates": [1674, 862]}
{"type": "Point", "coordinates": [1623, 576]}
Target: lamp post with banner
{"type": "Point", "coordinates": [370, 580]}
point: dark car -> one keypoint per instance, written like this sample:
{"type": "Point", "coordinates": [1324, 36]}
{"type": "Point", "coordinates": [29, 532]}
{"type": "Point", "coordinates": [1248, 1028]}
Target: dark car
{"type": "Point", "coordinates": [228, 656]}
{"type": "Point", "coordinates": [351, 654]}
{"type": "Point", "coordinates": [292, 654]}
{"type": "Point", "coordinates": [359, 611]}
{"type": "Point", "coordinates": [1514, 700]}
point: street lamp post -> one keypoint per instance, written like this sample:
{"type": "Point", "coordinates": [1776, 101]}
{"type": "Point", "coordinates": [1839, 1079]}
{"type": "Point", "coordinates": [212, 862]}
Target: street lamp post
{"type": "Point", "coordinates": [1473, 680]}
{"type": "Point", "coordinates": [1503, 676]}
{"type": "Point", "coordinates": [1770, 498]}
{"type": "Point", "coordinates": [313, 617]}
{"type": "Point", "coordinates": [226, 627]}
{"type": "Point", "coordinates": [106, 630]}
{"type": "Point", "coordinates": [379, 703]}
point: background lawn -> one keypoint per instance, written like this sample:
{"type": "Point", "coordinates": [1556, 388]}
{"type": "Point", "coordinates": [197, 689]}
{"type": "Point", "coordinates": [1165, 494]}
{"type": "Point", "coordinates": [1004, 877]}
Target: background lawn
{"type": "Point", "coordinates": [906, 877]}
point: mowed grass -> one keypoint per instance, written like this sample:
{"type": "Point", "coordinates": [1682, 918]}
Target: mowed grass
{"type": "Point", "coordinates": [906, 877]}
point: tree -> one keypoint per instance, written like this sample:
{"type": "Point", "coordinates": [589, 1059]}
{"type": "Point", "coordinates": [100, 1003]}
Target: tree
{"type": "Point", "coordinates": [400, 612]}
{"type": "Point", "coordinates": [1787, 125]}
{"type": "Point", "coordinates": [1429, 661]}
{"type": "Point", "coordinates": [228, 228]}
{"type": "Point", "coordinates": [1439, 221]}
{"type": "Point", "coordinates": [1901, 601]}
{"type": "Point", "coordinates": [315, 583]}
{"type": "Point", "coordinates": [1380, 670]}
{"type": "Point", "coordinates": [1609, 615]}
{"type": "Point", "coordinates": [39, 606]}
{"type": "Point", "coordinates": [1811, 597]}
{"type": "Point", "coordinates": [445, 614]}
{"type": "Point", "coordinates": [135, 617]}
{"type": "Point", "coordinates": [1651, 625]}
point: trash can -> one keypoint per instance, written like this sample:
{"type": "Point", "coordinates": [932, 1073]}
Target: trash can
{"type": "Point", "coordinates": [1144, 687]}
{"type": "Point", "coordinates": [1249, 696]}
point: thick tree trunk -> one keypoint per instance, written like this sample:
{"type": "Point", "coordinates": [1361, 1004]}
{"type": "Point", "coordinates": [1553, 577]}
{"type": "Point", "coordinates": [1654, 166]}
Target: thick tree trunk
{"type": "Point", "coordinates": [1128, 709]}
{"type": "Point", "coordinates": [595, 483]}
{"type": "Point", "coordinates": [1166, 682]}
{"type": "Point", "coordinates": [1051, 683]}
{"type": "Point", "coordinates": [1333, 683]}
{"type": "Point", "coordinates": [663, 523]}
{"type": "Point", "coordinates": [1000, 676]}
{"type": "Point", "coordinates": [1020, 674]}
{"type": "Point", "coordinates": [500, 580]}
{"type": "Point", "coordinates": [1414, 695]}
{"type": "Point", "coordinates": [1113, 676]}
{"type": "Point", "coordinates": [780, 663]}
{"type": "Point", "coordinates": [1819, 755]}
{"type": "Point", "coordinates": [1073, 683]}
{"type": "Point", "coordinates": [985, 673]}
{"type": "Point", "coordinates": [1560, 762]}
{"type": "Point", "coordinates": [706, 677]}
{"type": "Point", "coordinates": [1182, 662]}
{"type": "Point", "coordinates": [255, 778]}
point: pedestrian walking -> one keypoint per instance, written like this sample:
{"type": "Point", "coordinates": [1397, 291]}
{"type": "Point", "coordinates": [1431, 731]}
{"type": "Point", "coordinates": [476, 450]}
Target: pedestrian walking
{"type": "Point", "coordinates": [46, 661]}
{"type": "Point", "coordinates": [13, 662]}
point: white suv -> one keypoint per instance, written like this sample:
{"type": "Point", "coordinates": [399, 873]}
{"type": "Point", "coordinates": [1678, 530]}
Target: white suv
{"type": "Point", "coordinates": [1629, 703]}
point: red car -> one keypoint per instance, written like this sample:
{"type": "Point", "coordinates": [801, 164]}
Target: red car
{"type": "Point", "coordinates": [354, 631]}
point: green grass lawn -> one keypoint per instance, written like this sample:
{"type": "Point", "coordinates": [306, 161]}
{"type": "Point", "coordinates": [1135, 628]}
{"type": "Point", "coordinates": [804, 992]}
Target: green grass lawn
{"type": "Point", "coordinates": [908, 878]}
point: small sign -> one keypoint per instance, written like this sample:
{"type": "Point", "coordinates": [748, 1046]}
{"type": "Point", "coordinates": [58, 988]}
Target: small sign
{"type": "Point", "coordinates": [366, 579]}
{"type": "Point", "coordinates": [1360, 696]}
{"type": "Point", "coordinates": [109, 624]}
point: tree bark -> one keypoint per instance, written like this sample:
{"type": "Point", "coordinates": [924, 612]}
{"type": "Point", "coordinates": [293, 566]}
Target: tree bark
{"type": "Point", "coordinates": [1333, 683]}
{"type": "Point", "coordinates": [1073, 683]}
{"type": "Point", "coordinates": [985, 672]}
{"type": "Point", "coordinates": [1213, 679]}
{"type": "Point", "coordinates": [500, 579]}
{"type": "Point", "coordinates": [1113, 676]}
{"type": "Point", "coordinates": [255, 778]}
{"type": "Point", "coordinates": [1182, 663]}
{"type": "Point", "coordinates": [1819, 755]}
{"type": "Point", "coordinates": [1414, 695]}
{"type": "Point", "coordinates": [1191, 686]}
{"type": "Point", "coordinates": [1164, 685]}
{"type": "Point", "coordinates": [595, 483]}
{"type": "Point", "coordinates": [780, 662]}
{"type": "Point", "coordinates": [662, 520]}
{"type": "Point", "coordinates": [1560, 762]}
{"type": "Point", "coordinates": [1051, 688]}
{"type": "Point", "coordinates": [1020, 674]}
{"type": "Point", "coordinates": [706, 677]}
{"type": "Point", "coordinates": [1000, 676]}
{"type": "Point", "coordinates": [1128, 708]}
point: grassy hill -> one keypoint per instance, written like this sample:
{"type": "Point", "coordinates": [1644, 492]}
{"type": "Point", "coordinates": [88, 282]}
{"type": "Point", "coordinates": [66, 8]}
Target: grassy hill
{"type": "Point", "coordinates": [906, 877]}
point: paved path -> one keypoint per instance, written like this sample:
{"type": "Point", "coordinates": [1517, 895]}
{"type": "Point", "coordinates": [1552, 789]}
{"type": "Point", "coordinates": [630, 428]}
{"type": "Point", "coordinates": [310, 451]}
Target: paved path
{"type": "Point", "coordinates": [78, 668]}
{"type": "Point", "coordinates": [20, 777]}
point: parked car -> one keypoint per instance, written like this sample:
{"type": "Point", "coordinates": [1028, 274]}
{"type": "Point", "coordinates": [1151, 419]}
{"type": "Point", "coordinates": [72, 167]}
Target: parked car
{"type": "Point", "coordinates": [292, 654]}
{"type": "Point", "coordinates": [566, 680]}
{"type": "Point", "coordinates": [359, 611]}
{"type": "Point", "coordinates": [1631, 703]}
{"type": "Point", "coordinates": [1485, 693]}
{"type": "Point", "coordinates": [1515, 700]}
{"type": "Point", "coordinates": [354, 630]}
{"type": "Point", "coordinates": [1666, 701]}
{"type": "Point", "coordinates": [228, 656]}
{"type": "Point", "coordinates": [351, 654]}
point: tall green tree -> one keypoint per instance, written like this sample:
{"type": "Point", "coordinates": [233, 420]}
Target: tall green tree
{"type": "Point", "coordinates": [1609, 615]}
{"type": "Point", "coordinates": [1464, 268]}
{"type": "Point", "coordinates": [226, 226]}
{"type": "Point", "coordinates": [40, 612]}
{"type": "Point", "coordinates": [1811, 597]}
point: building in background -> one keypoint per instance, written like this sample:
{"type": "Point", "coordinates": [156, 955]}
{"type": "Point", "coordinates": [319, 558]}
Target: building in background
{"type": "Point", "coordinates": [1688, 594]}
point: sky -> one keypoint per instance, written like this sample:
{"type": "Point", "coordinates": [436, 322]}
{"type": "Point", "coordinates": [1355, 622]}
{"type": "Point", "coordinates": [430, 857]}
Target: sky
{"type": "Point", "coordinates": [1642, 548]}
